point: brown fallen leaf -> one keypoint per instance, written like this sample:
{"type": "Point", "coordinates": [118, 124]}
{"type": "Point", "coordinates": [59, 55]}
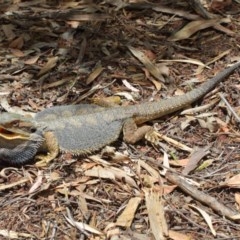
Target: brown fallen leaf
{"type": "Point", "coordinates": [127, 216]}
{"type": "Point", "coordinates": [195, 26]}
{"type": "Point", "coordinates": [219, 5]}
{"type": "Point", "coordinates": [96, 72]}
{"type": "Point", "coordinates": [32, 60]}
{"type": "Point", "coordinates": [233, 182]}
{"type": "Point", "coordinates": [158, 223]}
{"type": "Point", "coordinates": [110, 173]}
{"type": "Point", "coordinates": [194, 159]}
{"type": "Point", "coordinates": [8, 31]}
{"type": "Point", "coordinates": [179, 163]}
{"type": "Point", "coordinates": [179, 236]}
{"type": "Point", "coordinates": [16, 52]}
{"type": "Point", "coordinates": [206, 217]}
{"type": "Point", "coordinates": [38, 183]}
{"type": "Point", "coordinates": [154, 70]}
{"type": "Point", "coordinates": [51, 63]}
{"type": "Point", "coordinates": [17, 43]}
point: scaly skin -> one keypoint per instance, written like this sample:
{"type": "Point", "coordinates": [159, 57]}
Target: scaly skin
{"type": "Point", "coordinates": [85, 128]}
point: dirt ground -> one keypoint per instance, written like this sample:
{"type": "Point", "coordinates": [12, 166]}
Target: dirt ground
{"type": "Point", "coordinates": [124, 53]}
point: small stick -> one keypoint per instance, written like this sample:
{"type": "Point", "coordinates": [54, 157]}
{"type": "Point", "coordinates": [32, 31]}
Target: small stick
{"type": "Point", "coordinates": [229, 107]}
{"type": "Point", "coordinates": [202, 197]}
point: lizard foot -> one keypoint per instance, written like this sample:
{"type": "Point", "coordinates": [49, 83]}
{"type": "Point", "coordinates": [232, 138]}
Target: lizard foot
{"type": "Point", "coordinates": [44, 160]}
{"type": "Point", "coordinates": [152, 136]}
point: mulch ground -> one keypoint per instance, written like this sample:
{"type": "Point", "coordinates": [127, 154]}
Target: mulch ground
{"type": "Point", "coordinates": [124, 53]}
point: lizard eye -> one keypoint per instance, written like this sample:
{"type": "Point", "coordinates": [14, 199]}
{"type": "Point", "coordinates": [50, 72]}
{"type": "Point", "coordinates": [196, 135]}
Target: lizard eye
{"type": "Point", "coordinates": [33, 129]}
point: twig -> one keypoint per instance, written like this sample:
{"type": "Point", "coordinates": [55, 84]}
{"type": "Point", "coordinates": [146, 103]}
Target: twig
{"type": "Point", "coordinates": [202, 197]}
{"type": "Point", "coordinates": [229, 107]}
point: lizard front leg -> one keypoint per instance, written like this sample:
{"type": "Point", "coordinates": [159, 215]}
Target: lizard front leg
{"type": "Point", "coordinates": [132, 133]}
{"type": "Point", "coordinates": [51, 146]}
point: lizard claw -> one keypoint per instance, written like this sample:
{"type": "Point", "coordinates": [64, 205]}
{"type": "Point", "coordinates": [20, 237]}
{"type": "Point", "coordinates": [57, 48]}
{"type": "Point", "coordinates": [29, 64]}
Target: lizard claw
{"type": "Point", "coordinates": [152, 136]}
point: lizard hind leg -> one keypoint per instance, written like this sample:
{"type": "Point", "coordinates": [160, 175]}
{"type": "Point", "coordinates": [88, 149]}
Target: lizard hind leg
{"type": "Point", "coordinates": [132, 133]}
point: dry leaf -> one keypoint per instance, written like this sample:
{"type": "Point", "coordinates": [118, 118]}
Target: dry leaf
{"type": "Point", "coordinates": [127, 216]}
{"type": "Point", "coordinates": [51, 63]}
{"type": "Point", "coordinates": [194, 159]}
{"type": "Point", "coordinates": [150, 170]}
{"type": "Point", "coordinates": [158, 223]}
{"type": "Point", "coordinates": [110, 173]}
{"type": "Point", "coordinates": [16, 52]}
{"type": "Point", "coordinates": [17, 43]}
{"type": "Point", "coordinates": [237, 199]}
{"type": "Point", "coordinates": [100, 172]}
{"type": "Point", "coordinates": [174, 235]}
{"type": "Point", "coordinates": [83, 226]}
{"type": "Point", "coordinates": [165, 164]}
{"type": "Point", "coordinates": [14, 235]}
{"type": "Point", "coordinates": [8, 31]}
{"type": "Point", "coordinates": [32, 60]}
{"type": "Point", "coordinates": [96, 72]}
{"type": "Point", "coordinates": [126, 95]}
{"type": "Point", "coordinates": [147, 63]}
{"type": "Point", "coordinates": [164, 189]}
{"type": "Point", "coordinates": [195, 26]}
{"type": "Point", "coordinates": [129, 86]}
{"type": "Point", "coordinates": [233, 182]}
{"type": "Point", "coordinates": [179, 163]}
{"type": "Point", "coordinates": [219, 5]}
{"type": "Point", "coordinates": [37, 183]}
{"type": "Point", "coordinates": [207, 218]}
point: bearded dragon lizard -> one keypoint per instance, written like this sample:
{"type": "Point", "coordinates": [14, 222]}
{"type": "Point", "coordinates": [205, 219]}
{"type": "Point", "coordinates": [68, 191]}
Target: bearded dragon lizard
{"type": "Point", "coordinates": [85, 128]}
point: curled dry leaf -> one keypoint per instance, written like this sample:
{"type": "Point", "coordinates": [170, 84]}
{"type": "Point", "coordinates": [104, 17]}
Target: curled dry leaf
{"type": "Point", "coordinates": [207, 218]}
{"type": "Point", "coordinates": [129, 86]}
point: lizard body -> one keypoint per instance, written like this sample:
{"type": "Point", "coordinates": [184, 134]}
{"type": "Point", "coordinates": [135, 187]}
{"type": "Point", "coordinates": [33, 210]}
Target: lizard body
{"type": "Point", "coordinates": [84, 128]}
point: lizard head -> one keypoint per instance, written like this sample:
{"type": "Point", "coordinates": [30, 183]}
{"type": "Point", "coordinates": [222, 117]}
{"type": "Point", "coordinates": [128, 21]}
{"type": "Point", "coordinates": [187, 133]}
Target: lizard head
{"type": "Point", "coordinates": [15, 125]}
{"type": "Point", "coordinates": [19, 138]}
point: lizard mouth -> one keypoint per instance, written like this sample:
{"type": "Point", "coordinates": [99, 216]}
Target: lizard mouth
{"type": "Point", "coordinates": [9, 134]}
